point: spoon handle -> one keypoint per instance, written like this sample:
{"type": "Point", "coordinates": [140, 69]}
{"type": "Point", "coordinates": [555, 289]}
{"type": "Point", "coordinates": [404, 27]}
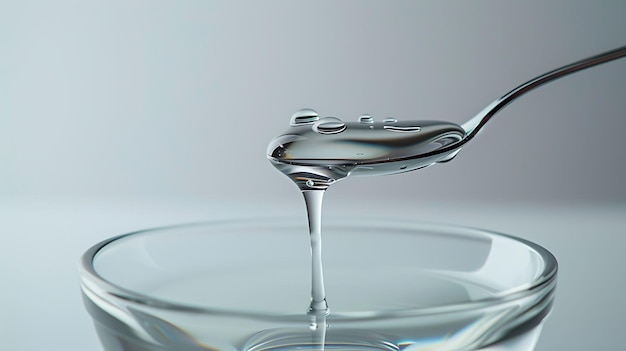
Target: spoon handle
{"type": "Point", "coordinates": [473, 125]}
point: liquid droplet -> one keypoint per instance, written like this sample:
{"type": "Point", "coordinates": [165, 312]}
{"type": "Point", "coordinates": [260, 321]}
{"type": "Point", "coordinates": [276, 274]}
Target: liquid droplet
{"type": "Point", "coordinates": [366, 119]}
{"type": "Point", "coordinates": [304, 116]}
{"type": "Point", "coordinates": [329, 125]}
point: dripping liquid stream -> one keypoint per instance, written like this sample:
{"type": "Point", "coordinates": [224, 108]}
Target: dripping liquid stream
{"type": "Point", "coordinates": [318, 309]}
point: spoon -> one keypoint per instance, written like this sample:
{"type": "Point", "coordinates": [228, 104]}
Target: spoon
{"type": "Point", "coordinates": [317, 151]}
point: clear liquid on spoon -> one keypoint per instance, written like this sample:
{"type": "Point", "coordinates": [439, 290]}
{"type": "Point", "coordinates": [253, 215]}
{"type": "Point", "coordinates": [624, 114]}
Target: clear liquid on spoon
{"type": "Point", "coordinates": [316, 152]}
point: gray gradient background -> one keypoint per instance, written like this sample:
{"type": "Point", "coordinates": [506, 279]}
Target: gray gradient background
{"type": "Point", "coordinates": [121, 114]}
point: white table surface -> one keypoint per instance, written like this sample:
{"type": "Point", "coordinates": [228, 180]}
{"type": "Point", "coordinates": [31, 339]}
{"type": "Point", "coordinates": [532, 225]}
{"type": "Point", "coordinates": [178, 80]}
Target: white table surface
{"type": "Point", "coordinates": [42, 241]}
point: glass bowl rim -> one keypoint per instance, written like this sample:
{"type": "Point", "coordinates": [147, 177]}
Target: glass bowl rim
{"type": "Point", "coordinates": [97, 284]}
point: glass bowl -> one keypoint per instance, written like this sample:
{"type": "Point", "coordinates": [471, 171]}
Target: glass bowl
{"type": "Point", "coordinates": [246, 285]}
